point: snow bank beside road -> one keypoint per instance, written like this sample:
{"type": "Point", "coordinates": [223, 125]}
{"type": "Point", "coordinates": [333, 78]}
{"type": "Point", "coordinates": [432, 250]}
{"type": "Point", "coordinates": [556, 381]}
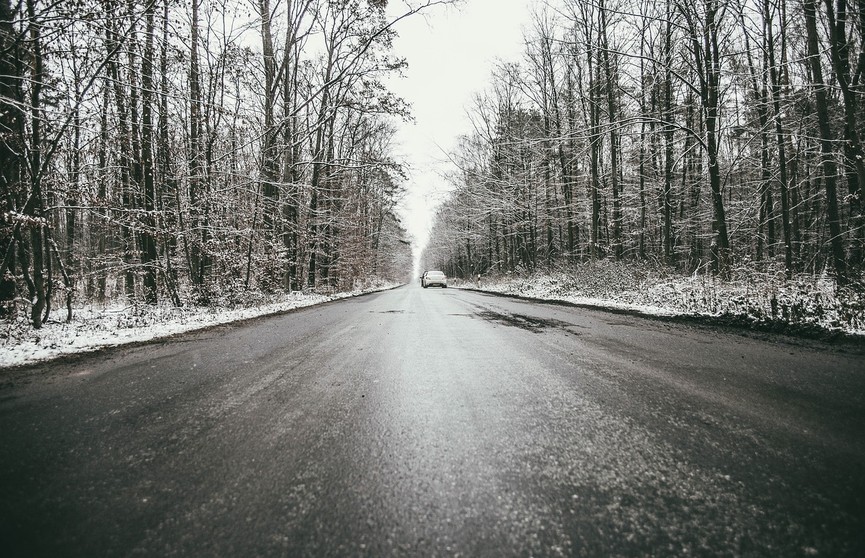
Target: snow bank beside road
{"type": "Point", "coordinates": [95, 327]}
{"type": "Point", "coordinates": [761, 300]}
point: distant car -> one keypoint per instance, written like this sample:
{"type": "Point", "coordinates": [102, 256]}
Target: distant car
{"type": "Point", "coordinates": [433, 279]}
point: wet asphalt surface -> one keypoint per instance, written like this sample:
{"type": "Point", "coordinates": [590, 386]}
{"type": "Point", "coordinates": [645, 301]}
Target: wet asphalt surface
{"type": "Point", "coordinates": [439, 423]}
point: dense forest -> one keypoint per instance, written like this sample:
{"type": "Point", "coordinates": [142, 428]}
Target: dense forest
{"type": "Point", "coordinates": [704, 137]}
{"type": "Point", "coordinates": [190, 152]}
{"type": "Point", "coordinates": [166, 150]}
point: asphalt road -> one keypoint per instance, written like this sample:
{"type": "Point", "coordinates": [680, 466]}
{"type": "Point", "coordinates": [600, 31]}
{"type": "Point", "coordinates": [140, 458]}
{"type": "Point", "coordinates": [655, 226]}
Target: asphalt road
{"type": "Point", "coordinates": [439, 422]}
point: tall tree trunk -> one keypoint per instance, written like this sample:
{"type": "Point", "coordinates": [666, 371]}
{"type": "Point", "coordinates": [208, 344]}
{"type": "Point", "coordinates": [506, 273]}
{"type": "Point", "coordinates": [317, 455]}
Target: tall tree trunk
{"type": "Point", "coordinates": [854, 154]}
{"type": "Point", "coordinates": [644, 114]}
{"type": "Point", "coordinates": [168, 191]}
{"type": "Point", "coordinates": [594, 149]}
{"type": "Point", "coordinates": [149, 257]}
{"type": "Point", "coordinates": [319, 177]}
{"type": "Point", "coordinates": [830, 171]}
{"type": "Point", "coordinates": [34, 206]}
{"type": "Point", "coordinates": [761, 100]}
{"type": "Point", "coordinates": [568, 180]}
{"type": "Point", "coordinates": [707, 63]}
{"type": "Point", "coordinates": [125, 150]}
{"type": "Point", "coordinates": [196, 238]}
{"type": "Point", "coordinates": [269, 155]}
{"type": "Point", "coordinates": [668, 131]}
{"type": "Point", "coordinates": [101, 231]}
{"type": "Point", "coordinates": [11, 148]}
{"type": "Point", "coordinates": [72, 191]}
{"type": "Point", "coordinates": [775, 80]}
{"type": "Point", "coordinates": [296, 12]}
{"type": "Point", "coordinates": [711, 94]}
{"type": "Point", "coordinates": [554, 114]}
{"type": "Point", "coordinates": [612, 85]}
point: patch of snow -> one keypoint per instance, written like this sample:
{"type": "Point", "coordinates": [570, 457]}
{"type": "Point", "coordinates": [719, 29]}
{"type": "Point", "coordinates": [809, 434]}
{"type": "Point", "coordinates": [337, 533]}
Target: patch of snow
{"type": "Point", "coordinates": [94, 327]}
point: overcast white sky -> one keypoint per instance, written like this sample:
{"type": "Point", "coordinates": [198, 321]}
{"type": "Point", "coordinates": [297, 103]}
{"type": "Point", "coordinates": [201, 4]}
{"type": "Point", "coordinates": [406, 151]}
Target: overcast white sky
{"type": "Point", "coordinates": [451, 52]}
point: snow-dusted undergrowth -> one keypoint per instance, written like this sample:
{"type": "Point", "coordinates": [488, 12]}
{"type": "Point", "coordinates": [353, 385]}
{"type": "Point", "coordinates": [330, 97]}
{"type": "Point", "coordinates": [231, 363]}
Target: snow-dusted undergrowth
{"type": "Point", "coordinates": [93, 327]}
{"type": "Point", "coordinates": [749, 297]}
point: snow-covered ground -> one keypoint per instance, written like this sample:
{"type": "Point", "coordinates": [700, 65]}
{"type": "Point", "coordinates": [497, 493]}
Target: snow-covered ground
{"type": "Point", "coordinates": [94, 327]}
{"type": "Point", "coordinates": [761, 300]}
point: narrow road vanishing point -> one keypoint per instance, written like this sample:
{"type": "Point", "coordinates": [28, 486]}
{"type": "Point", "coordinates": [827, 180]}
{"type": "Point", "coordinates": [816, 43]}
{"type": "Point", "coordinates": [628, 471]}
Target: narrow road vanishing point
{"type": "Point", "coordinates": [420, 422]}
